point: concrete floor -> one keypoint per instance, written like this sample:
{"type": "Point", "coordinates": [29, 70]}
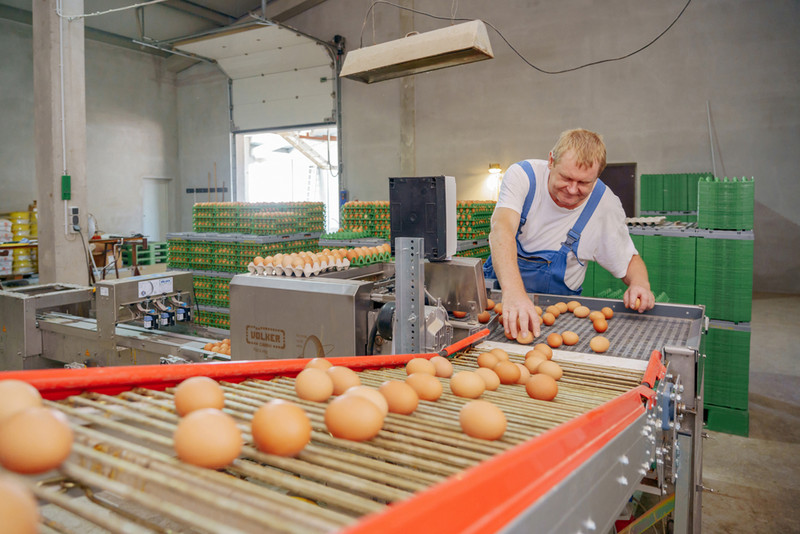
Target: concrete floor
{"type": "Point", "coordinates": [753, 483]}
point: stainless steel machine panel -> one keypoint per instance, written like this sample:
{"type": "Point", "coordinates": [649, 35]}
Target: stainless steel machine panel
{"type": "Point", "coordinates": [458, 282]}
{"type": "Point", "coordinates": [284, 317]}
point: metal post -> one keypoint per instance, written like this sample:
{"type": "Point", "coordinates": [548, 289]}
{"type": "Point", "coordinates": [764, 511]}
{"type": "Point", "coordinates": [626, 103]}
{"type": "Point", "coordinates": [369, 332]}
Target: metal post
{"type": "Point", "coordinates": [410, 294]}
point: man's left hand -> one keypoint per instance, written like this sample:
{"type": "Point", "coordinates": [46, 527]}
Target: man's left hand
{"type": "Point", "coordinates": [639, 298]}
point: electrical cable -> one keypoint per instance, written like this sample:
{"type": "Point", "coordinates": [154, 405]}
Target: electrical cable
{"type": "Point", "coordinates": [543, 71]}
{"type": "Point", "coordinates": [88, 257]}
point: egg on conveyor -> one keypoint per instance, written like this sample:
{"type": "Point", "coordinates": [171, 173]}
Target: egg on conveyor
{"type": "Point", "coordinates": [524, 374]}
{"type": "Point", "coordinates": [444, 369]}
{"type": "Point", "coordinates": [343, 378]}
{"type": "Point", "coordinates": [372, 395]}
{"type": "Point", "coordinates": [196, 393]}
{"type": "Point", "coordinates": [599, 344]}
{"type": "Point", "coordinates": [353, 417]}
{"type": "Point", "coordinates": [207, 438]}
{"type": "Point", "coordinates": [313, 384]}
{"type": "Point", "coordinates": [467, 384]}
{"type": "Point", "coordinates": [533, 362]}
{"type": "Point", "coordinates": [489, 377]}
{"type": "Point", "coordinates": [488, 360]}
{"type": "Point", "coordinates": [15, 396]}
{"type": "Point", "coordinates": [420, 365]}
{"type": "Point", "coordinates": [508, 372]}
{"type": "Point", "coordinates": [551, 369]}
{"type": "Point", "coordinates": [569, 337]}
{"type": "Point", "coordinates": [555, 340]}
{"type": "Point", "coordinates": [542, 387]}
{"type": "Point", "coordinates": [281, 427]}
{"type": "Point", "coordinates": [427, 386]}
{"type": "Point", "coordinates": [18, 510]}
{"type": "Point", "coordinates": [319, 363]}
{"type": "Point", "coordinates": [483, 420]}
{"type": "Point", "coordinates": [400, 397]}
{"type": "Point", "coordinates": [545, 349]}
{"type": "Point", "coordinates": [35, 440]}
{"type": "Point", "coordinates": [500, 353]}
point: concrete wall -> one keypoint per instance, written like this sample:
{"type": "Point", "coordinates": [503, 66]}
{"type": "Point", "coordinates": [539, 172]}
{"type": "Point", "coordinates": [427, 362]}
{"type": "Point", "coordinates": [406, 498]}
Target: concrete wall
{"type": "Point", "coordinates": [131, 128]}
{"type": "Point", "coordinates": [741, 57]}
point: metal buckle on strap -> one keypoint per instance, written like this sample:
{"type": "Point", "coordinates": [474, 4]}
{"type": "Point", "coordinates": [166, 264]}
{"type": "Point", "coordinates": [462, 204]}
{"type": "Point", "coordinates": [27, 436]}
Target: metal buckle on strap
{"type": "Point", "coordinates": [572, 236]}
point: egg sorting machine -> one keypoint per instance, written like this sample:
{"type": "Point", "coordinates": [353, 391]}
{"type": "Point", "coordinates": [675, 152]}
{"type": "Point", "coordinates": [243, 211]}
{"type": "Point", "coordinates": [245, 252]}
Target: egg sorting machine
{"type": "Point", "coordinates": [49, 325]}
{"type": "Point", "coordinates": [564, 466]}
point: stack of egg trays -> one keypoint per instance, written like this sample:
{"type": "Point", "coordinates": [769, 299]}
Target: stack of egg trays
{"type": "Point", "coordinates": [214, 317]}
{"type": "Point", "coordinates": [671, 265]}
{"type": "Point", "coordinates": [724, 274]}
{"type": "Point", "coordinates": [727, 364]}
{"type": "Point", "coordinates": [725, 204]}
{"type": "Point", "coordinates": [651, 187]}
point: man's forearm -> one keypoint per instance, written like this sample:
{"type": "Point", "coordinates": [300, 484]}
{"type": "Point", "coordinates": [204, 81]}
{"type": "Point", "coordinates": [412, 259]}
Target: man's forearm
{"type": "Point", "coordinates": [637, 273]}
{"type": "Point", "coordinates": [504, 261]}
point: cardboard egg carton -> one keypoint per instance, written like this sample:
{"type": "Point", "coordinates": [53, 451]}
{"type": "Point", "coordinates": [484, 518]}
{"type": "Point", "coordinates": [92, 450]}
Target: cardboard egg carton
{"type": "Point", "coordinates": [320, 264]}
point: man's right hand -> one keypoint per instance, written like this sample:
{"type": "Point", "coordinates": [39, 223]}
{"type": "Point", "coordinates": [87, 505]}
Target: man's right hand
{"type": "Point", "coordinates": [519, 314]}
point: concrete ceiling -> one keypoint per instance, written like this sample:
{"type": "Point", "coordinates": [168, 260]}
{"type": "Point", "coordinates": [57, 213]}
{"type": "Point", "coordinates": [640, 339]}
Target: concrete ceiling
{"type": "Point", "coordinates": [166, 22]}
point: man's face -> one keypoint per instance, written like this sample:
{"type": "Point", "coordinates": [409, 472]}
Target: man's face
{"type": "Point", "coordinates": [569, 184]}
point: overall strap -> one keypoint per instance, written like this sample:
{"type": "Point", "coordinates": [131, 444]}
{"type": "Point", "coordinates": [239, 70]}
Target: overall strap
{"type": "Point", "coordinates": [574, 235]}
{"type": "Point", "coordinates": [526, 206]}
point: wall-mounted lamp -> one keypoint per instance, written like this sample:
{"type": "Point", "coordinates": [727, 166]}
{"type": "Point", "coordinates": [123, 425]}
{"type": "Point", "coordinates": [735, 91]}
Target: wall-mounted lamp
{"type": "Point", "coordinates": [494, 168]}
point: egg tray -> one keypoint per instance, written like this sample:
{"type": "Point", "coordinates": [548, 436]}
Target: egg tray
{"type": "Point", "coordinates": [631, 335]}
{"type": "Point", "coordinates": [124, 462]}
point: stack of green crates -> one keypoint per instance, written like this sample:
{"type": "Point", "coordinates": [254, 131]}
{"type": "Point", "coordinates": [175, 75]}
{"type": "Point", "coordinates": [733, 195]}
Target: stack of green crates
{"type": "Point", "coordinates": [474, 219]}
{"type": "Point", "coordinates": [258, 218]}
{"type": "Point", "coordinates": [671, 266]}
{"type": "Point", "coordinates": [724, 277]}
{"type": "Point", "coordinates": [725, 204]}
{"type": "Point", "coordinates": [369, 218]}
{"type": "Point", "coordinates": [727, 365]}
{"type": "Point", "coordinates": [156, 253]}
{"type": "Point", "coordinates": [671, 195]}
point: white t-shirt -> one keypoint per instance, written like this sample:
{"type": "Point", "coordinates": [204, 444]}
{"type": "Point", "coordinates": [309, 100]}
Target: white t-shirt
{"type": "Point", "coordinates": [605, 238]}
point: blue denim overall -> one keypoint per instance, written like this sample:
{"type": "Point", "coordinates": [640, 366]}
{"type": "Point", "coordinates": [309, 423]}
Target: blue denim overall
{"type": "Point", "coordinates": [543, 271]}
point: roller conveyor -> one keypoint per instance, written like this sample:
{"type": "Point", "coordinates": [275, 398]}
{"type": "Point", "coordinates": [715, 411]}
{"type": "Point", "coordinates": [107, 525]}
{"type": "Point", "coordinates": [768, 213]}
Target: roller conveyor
{"type": "Point", "coordinates": [124, 463]}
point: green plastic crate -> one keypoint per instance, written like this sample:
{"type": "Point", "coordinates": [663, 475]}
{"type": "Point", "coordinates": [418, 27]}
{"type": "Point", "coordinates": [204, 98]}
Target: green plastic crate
{"type": "Point", "coordinates": [727, 420]}
{"type": "Point", "coordinates": [676, 196]}
{"type": "Point", "coordinates": [725, 204]}
{"type": "Point", "coordinates": [588, 280]}
{"type": "Point", "coordinates": [652, 192]}
{"type": "Point", "coordinates": [671, 266]}
{"type": "Point", "coordinates": [727, 367]}
{"type": "Point", "coordinates": [724, 278]}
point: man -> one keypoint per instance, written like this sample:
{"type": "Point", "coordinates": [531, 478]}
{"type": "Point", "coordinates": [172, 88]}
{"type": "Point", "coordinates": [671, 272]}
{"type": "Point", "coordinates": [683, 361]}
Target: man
{"type": "Point", "coordinates": [552, 217]}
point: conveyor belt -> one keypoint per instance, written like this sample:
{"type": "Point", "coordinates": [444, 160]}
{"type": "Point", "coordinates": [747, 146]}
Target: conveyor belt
{"type": "Point", "coordinates": [632, 335]}
{"type": "Point", "coordinates": [123, 459]}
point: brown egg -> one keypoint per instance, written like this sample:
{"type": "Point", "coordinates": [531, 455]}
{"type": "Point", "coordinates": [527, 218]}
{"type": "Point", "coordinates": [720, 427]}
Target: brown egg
{"type": "Point", "coordinates": [281, 427]}
{"type": "Point", "coordinates": [569, 337]}
{"type": "Point", "coordinates": [524, 374]}
{"type": "Point", "coordinates": [600, 325]}
{"type": "Point", "coordinates": [15, 396]}
{"type": "Point", "coordinates": [502, 355]}
{"type": "Point", "coordinates": [313, 384]}
{"type": "Point", "coordinates": [607, 312]}
{"type": "Point", "coordinates": [538, 310]}
{"type": "Point", "coordinates": [498, 308]}
{"type": "Point", "coordinates": [562, 307]}
{"type": "Point", "coordinates": [545, 349]}
{"type": "Point", "coordinates": [196, 393]}
{"type": "Point", "coordinates": [444, 369]}
{"type": "Point", "coordinates": [637, 304]}
{"type": "Point", "coordinates": [526, 338]}
{"type": "Point", "coordinates": [208, 438]}
{"type": "Point", "coordinates": [530, 353]}
{"type": "Point", "coordinates": [581, 311]}
{"type": "Point", "coordinates": [572, 305]}
{"type": "Point", "coordinates": [353, 417]}
{"type": "Point", "coordinates": [484, 316]}
{"type": "Point", "coordinates": [420, 365]}
{"type": "Point", "coordinates": [35, 440]}
{"type": "Point", "coordinates": [483, 420]}
{"type": "Point", "coordinates": [459, 314]}
{"type": "Point", "coordinates": [467, 384]}
{"type": "Point", "coordinates": [599, 344]}
{"type": "Point", "coordinates": [508, 372]}
{"type": "Point", "coordinates": [372, 395]}
{"type": "Point", "coordinates": [595, 315]}
{"type": "Point", "coordinates": [488, 360]}
{"type": "Point", "coordinates": [548, 319]}
{"type": "Point", "coordinates": [550, 368]}
{"type": "Point", "coordinates": [532, 363]}
{"type": "Point", "coordinates": [18, 509]}
{"type": "Point", "coordinates": [553, 310]}
{"type": "Point", "coordinates": [343, 378]}
{"type": "Point", "coordinates": [542, 387]}
{"type": "Point", "coordinates": [489, 304]}
{"type": "Point", "coordinates": [400, 397]}
{"type": "Point", "coordinates": [489, 377]}
{"type": "Point", "coordinates": [319, 363]}
{"type": "Point", "coordinates": [508, 335]}
{"type": "Point", "coordinates": [555, 340]}
{"type": "Point", "coordinates": [427, 386]}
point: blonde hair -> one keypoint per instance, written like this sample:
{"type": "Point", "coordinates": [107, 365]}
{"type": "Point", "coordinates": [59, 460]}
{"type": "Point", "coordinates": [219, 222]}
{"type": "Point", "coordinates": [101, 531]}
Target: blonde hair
{"type": "Point", "coordinates": [588, 147]}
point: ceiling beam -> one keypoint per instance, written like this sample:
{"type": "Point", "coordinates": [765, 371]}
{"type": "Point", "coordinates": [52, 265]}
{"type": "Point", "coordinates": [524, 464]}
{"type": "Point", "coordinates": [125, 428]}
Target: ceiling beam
{"type": "Point", "coordinates": [210, 15]}
{"type": "Point", "coordinates": [283, 10]}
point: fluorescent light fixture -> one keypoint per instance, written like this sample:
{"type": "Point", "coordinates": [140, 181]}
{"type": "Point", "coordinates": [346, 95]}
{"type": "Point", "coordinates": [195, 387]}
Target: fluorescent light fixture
{"type": "Point", "coordinates": [447, 47]}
